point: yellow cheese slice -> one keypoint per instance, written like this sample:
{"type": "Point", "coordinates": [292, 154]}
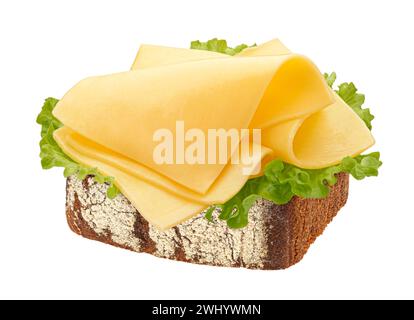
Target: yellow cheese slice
{"type": "Point", "coordinates": [156, 56]}
{"type": "Point", "coordinates": [271, 48]}
{"type": "Point", "coordinates": [231, 178]}
{"type": "Point", "coordinates": [305, 139]}
{"type": "Point", "coordinates": [123, 111]}
{"type": "Point", "coordinates": [109, 122]}
{"type": "Point", "coordinates": [321, 139]}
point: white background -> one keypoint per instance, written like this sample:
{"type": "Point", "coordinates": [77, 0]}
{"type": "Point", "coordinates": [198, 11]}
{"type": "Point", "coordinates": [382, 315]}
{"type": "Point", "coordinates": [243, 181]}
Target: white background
{"type": "Point", "coordinates": [47, 46]}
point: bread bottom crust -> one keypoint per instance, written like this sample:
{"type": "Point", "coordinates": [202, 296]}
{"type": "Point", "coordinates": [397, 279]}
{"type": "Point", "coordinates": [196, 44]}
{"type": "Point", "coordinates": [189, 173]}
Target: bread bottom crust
{"type": "Point", "coordinates": [276, 237]}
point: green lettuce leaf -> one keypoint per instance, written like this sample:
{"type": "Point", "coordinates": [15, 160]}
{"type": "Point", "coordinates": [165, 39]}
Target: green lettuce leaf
{"type": "Point", "coordinates": [349, 93]}
{"type": "Point", "coordinates": [218, 45]}
{"type": "Point", "coordinates": [330, 78]}
{"type": "Point", "coordinates": [52, 155]}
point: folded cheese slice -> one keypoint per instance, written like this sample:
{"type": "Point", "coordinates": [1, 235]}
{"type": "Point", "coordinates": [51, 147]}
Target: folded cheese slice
{"type": "Point", "coordinates": [123, 111]}
{"type": "Point", "coordinates": [305, 139]}
{"type": "Point", "coordinates": [109, 122]}
{"type": "Point", "coordinates": [231, 178]}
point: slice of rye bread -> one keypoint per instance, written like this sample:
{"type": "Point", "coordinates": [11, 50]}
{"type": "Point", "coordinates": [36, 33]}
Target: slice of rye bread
{"type": "Point", "coordinates": [275, 238]}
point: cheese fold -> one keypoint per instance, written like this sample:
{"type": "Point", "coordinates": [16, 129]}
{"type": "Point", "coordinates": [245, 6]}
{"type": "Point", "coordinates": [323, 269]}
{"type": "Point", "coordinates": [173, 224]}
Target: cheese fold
{"type": "Point", "coordinates": [109, 122]}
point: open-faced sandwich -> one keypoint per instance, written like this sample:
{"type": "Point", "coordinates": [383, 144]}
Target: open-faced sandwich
{"type": "Point", "coordinates": [224, 156]}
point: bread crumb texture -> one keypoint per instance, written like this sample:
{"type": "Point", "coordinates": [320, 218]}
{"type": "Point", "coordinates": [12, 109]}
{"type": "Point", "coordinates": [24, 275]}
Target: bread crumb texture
{"type": "Point", "coordinates": [116, 221]}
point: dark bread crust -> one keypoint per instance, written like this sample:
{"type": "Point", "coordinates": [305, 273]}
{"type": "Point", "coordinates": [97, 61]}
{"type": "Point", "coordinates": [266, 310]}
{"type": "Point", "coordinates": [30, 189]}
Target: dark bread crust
{"type": "Point", "coordinates": [289, 229]}
{"type": "Point", "coordinates": [297, 224]}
